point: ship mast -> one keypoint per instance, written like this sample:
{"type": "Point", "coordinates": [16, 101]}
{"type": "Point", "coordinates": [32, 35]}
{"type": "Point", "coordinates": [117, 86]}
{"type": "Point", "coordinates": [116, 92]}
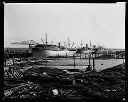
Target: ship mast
{"type": "Point", "coordinates": [42, 40]}
{"type": "Point", "coordinates": [81, 44]}
{"type": "Point", "coordinates": [72, 45]}
{"type": "Point", "coordinates": [46, 40]}
{"type": "Point", "coordinates": [98, 45]}
{"type": "Point", "coordinates": [68, 43]}
{"type": "Point", "coordinates": [90, 44]}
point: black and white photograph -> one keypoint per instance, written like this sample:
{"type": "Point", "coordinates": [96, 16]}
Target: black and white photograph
{"type": "Point", "coordinates": [64, 51]}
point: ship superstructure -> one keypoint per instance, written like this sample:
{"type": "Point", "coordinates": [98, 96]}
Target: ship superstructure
{"type": "Point", "coordinates": [47, 50]}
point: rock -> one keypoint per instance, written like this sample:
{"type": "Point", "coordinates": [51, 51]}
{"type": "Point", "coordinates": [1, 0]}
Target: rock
{"type": "Point", "coordinates": [107, 90]}
{"type": "Point", "coordinates": [55, 92]}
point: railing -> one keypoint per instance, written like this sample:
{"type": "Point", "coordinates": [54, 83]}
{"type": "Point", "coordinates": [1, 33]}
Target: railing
{"type": "Point", "coordinates": [23, 56]}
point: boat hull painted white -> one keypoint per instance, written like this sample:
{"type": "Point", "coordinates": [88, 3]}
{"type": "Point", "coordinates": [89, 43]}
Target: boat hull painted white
{"type": "Point", "coordinates": [41, 53]}
{"type": "Point", "coordinates": [87, 51]}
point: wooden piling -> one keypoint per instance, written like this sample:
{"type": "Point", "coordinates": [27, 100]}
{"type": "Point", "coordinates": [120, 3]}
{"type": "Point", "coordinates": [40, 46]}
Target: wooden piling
{"type": "Point", "coordinates": [93, 64]}
{"type": "Point", "coordinates": [66, 55]}
{"type": "Point", "coordinates": [58, 56]}
{"type": "Point", "coordinates": [46, 61]}
{"type": "Point", "coordinates": [85, 55]}
{"type": "Point", "coordinates": [18, 55]}
{"type": "Point", "coordinates": [94, 69]}
{"type": "Point", "coordinates": [123, 60]}
{"type": "Point", "coordinates": [80, 55]}
{"type": "Point", "coordinates": [13, 59]}
{"type": "Point", "coordinates": [74, 61]}
{"type": "Point", "coordinates": [90, 55]}
{"type": "Point", "coordinates": [5, 60]}
{"type": "Point", "coordinates": [122, 55]}
{"type": "Point", "coordinates": [89, 59]}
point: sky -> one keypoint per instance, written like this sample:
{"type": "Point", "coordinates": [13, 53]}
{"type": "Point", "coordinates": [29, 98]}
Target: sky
{"type": "Point", "coordinates": [103, 23]}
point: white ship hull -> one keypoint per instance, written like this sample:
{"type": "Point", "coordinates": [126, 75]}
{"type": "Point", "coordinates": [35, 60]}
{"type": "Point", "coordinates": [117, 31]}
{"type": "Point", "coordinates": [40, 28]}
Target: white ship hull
{"type": "Point", "coordinates": [52, 53]}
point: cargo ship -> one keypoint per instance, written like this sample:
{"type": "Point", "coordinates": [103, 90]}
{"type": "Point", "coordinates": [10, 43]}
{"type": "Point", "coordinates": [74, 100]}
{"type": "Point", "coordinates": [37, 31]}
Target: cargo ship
{"type": "Point", "coordinates": [47, 50]}
{"type": "Point", "coordinates": [43, 50]}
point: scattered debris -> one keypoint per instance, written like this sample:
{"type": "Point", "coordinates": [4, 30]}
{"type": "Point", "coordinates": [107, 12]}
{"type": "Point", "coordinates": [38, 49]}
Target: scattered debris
{"type": "Point", "coordinates": [42, 82]}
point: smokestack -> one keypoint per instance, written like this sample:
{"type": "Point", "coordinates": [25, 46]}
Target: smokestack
{"type": "Point", "coordinates": [90, 44]}
{"type": "Point", "coordinates": [59, 44]}
{"type": "Point", "coordinates": [86, 46]}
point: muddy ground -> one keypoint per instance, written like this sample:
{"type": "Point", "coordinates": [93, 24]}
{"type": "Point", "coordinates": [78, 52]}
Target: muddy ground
{"type": "Point", "coordinates": [49, 83]}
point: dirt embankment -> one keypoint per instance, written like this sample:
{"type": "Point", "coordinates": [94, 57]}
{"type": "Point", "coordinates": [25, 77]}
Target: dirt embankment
{"type": "Point", "coordinates": [55, 83]}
